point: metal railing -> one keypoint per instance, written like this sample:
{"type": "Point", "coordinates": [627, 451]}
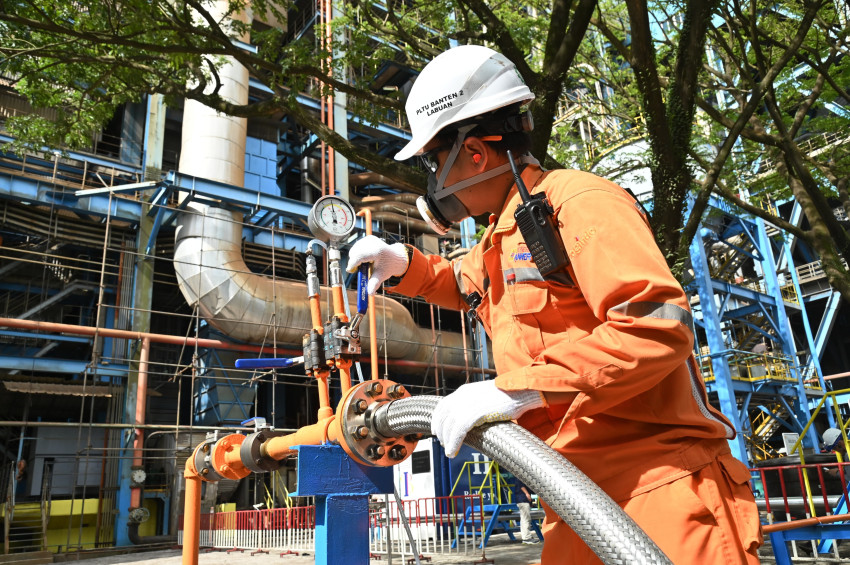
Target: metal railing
{"type": "Point", "coordinates": [438, 525]}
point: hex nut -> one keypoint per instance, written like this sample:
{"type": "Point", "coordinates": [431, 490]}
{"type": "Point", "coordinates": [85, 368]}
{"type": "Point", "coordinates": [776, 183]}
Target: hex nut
{"type": "Point", "coordinates": [376, 451]}
{"type": "Point", "coordinates": [396, 391]}
{"type": "Point", "coordinates": [374, 388]}
{"type": "Point", "coordinates": [360, 406]}
{"type": "Point", "coordinates": [359, 432]}
{"type": "Point", "coordinates": [398, 452]}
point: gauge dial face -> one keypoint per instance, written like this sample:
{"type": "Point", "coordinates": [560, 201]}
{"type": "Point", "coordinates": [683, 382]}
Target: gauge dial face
{"type": "Point", "coordinates": [331, 218]}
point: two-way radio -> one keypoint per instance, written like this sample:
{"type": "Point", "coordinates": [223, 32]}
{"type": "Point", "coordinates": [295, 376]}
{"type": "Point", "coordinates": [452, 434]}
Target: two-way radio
{"type": "Point", "coordinates": [535, 219]}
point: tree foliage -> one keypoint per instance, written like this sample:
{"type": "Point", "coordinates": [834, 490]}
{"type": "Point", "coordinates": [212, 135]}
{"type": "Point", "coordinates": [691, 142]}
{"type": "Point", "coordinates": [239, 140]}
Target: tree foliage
{"type": "Point", "coordinates": [698, 91]}
{"type": "Point", "coordinates": [85, 58]}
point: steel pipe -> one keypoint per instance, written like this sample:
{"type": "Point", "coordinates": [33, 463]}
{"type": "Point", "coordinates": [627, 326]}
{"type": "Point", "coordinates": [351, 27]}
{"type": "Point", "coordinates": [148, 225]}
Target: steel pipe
{"type": "Point", "coordinates": [586, 508]}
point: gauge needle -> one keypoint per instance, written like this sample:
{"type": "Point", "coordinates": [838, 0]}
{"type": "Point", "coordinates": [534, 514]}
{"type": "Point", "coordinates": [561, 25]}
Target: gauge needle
{"type": "Point", "coordinates": [333, 214]}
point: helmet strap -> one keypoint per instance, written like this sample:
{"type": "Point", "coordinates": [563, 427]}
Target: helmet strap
{"type": "Point", "coordinates": [443, 191]}
{"type": "Point", "coordinates": [450, 160]}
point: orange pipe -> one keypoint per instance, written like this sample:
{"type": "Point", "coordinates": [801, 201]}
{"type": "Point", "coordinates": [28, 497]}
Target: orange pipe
{"type": "Point", "coordinates": [279, 448]}
{"type": "Point", "coordinates": [794, 524]}
{"type": "Point", "coordinates": [141, 405]}
{"type": "Point", "coordinates": [373, 322]}
{"type": "Point", "coordinates": [344, 375]}
{"type": "Point", "coordinates": [53, 327]}
{"type": "Point", "coordinates": [191, 514]}
{"type": "Point", "coordinates": [325, 409]}
{"type": "Point", "coordinates": [316, 314]}
{"type": "Point", "coordinates": [339, 303]}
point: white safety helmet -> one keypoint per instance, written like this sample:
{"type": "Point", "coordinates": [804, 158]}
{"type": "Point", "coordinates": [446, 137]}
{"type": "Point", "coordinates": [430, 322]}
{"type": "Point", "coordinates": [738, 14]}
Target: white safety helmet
{"type": "Point", "coordinates": [831, 437]}
{"type": "Point", "coordinates": [461, 83]}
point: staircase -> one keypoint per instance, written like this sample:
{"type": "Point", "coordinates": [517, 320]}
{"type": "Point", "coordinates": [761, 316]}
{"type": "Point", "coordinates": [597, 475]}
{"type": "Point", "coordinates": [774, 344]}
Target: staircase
{"type": "Point", "coordinates": [25, 525]}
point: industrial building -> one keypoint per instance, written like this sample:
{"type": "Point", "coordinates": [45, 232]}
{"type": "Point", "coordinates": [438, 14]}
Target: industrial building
{"type": "Point", "coordinates": [135, 274]}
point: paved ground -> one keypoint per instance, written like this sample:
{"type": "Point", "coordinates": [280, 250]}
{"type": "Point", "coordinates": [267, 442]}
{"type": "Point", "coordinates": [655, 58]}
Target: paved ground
{"type": "Point", "coordinates": [500, 551]}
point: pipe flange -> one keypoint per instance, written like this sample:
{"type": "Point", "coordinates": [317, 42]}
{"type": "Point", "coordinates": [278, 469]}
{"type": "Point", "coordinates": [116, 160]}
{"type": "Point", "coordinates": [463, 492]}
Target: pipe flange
{"type": "Point", "coordinates": [202, 461]}
{"type": "Point", "coordinates": [233, 469]}
{"type": "Point", "coordinates": [138, 515]}
{"type": "Point", "coordinates": [359, 434]}
{"type": "Point", "coordinates": [251, 456]}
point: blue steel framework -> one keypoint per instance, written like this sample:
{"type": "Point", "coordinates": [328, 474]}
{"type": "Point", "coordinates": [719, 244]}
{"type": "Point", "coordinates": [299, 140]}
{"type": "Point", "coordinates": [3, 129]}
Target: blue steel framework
{"type": "Point", "coordinates": [726, 308]}
{"type": "Point", "coordinates": [752, 362]}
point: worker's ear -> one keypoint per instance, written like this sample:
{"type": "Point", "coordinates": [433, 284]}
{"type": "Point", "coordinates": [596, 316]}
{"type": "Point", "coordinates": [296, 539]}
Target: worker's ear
{"type": "Point", "coordinates": [478, 152]}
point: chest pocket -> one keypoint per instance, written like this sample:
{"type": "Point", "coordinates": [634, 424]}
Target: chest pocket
{"type": "Point", "coordinates": [530, 306]}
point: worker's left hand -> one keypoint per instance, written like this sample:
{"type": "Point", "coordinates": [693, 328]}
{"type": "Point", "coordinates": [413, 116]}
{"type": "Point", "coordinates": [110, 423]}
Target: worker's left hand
{"type": "Point", "coordinates": [477, 403]}
{"type": "Point", "coordinates": [387, 260]}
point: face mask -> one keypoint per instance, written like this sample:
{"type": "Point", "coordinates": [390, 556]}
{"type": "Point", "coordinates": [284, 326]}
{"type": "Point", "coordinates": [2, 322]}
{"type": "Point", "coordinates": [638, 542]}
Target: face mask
{"type": "Point", "coordinates": [440, 208]}
{"type": "Point", "coordinates": [440, 214]}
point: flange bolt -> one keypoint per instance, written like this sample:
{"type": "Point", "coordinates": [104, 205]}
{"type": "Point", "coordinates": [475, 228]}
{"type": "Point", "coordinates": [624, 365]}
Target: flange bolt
{"type": "Point", "coordinates": [359, 432]}
{"type": "Point", "coordinates": [375, 452]}
{"type": "Point", "coordinates": [398, 452]}
{"type": "Point", "coordinates": [396, 391]}
{"type": "Point", "coordinates": [360, 406]}
{"type": "Point", "coordinates": [374, 388]}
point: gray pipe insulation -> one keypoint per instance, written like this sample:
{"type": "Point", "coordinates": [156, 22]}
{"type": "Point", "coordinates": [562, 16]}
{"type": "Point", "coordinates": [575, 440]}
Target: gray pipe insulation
{"type": "Point", "coordinates": [211, 272]}
{"type": "Point", "coordinates": [586, 508]}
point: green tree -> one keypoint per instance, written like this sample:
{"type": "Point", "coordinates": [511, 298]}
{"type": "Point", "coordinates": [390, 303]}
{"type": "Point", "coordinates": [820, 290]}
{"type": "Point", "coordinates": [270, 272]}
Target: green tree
{"type": "Point", "coordinates": [85, 58]}
{"type": "Point", "coordinates": [640, 80]}
{"type": "Point", "coordinates": [794, 145]}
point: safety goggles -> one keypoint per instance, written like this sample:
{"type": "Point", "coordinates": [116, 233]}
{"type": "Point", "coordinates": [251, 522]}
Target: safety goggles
{"type": "Point", "coordinates": [429, 158]}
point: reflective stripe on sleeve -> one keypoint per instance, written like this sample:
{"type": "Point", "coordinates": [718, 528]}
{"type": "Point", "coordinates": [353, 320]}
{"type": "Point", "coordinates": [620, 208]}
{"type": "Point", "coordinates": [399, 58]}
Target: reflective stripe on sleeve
{"type": "Point", "coordinates": [458, 278]}
{"type": "Point", "coordinates": [696, 391]}
{"type": "Point", "coordinates": [661, 310]}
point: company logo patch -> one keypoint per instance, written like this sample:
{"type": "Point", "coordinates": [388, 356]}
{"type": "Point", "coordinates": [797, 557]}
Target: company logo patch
{"type": "Point", "coordinates": [521, 253]}
{"type": "Point", "coordinates": [581, 241]}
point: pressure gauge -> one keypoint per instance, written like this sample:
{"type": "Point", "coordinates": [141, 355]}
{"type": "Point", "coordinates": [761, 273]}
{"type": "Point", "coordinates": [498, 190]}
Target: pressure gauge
{"type": "Point", "coordinates": [138, 476]}
{"type": "Point", "coordinates": [331, 219]}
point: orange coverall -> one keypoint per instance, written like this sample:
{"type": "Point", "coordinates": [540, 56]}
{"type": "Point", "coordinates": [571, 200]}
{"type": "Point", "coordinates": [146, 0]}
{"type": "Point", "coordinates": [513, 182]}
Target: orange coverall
{"type": "Point", "coordinates": [615, 332]}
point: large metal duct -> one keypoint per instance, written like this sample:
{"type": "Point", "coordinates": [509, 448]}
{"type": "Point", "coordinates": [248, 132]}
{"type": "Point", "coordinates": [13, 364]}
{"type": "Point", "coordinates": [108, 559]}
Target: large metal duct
{"type": "Point", "coordinates": [212, 274]}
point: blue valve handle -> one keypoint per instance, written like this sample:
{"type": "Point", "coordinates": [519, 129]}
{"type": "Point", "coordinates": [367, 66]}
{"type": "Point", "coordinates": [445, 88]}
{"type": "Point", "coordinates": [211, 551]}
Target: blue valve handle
{"type": "Point", "coordinates": [362, 295]}
{"type": "Point", "coordinates": [279, 363]}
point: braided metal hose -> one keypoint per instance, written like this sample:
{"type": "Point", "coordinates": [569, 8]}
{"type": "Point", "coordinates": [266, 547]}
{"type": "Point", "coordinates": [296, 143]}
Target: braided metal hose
{"type": "Point", "coordinates": [586, 508]}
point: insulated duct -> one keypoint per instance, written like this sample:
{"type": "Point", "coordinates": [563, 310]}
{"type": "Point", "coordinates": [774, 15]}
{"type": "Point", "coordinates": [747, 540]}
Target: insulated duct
{"type": "Point", "coordinates": [212, 274]}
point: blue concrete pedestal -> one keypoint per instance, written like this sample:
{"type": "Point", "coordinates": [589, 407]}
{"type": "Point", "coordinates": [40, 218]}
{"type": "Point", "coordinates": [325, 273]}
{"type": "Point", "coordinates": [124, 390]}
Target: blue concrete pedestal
{"type": "Point", "coordinates": [341, 488]}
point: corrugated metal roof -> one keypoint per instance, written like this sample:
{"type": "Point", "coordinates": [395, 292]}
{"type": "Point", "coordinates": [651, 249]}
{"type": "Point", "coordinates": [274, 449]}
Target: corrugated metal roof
{"type": "Point", "coordinates": [60, 389]}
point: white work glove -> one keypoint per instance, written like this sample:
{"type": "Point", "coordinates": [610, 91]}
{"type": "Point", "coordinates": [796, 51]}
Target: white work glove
{"type": "Point", "coordinates": [477, 403]}
{"type": "Point", "coordinates": [387, 260]}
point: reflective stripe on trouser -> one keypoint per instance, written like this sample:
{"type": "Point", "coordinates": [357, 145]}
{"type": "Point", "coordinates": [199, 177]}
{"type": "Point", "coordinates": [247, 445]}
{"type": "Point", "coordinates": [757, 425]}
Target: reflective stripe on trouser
{"type": "Point", "coordinates": [706, 518]}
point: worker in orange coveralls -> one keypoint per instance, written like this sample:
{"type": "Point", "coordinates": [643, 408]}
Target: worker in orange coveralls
{"type": "Point", "coordinates": [596, 358]}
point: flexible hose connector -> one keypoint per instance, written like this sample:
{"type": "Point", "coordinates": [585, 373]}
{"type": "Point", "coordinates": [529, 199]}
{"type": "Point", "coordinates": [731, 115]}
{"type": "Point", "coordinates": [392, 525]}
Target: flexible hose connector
{"type": "Point", "coordinates": [586, 508]}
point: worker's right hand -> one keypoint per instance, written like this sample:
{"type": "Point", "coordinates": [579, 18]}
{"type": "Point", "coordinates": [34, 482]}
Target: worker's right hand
{"type": "Point", "coordinates": [478, 403]}
{"type": "Point", "coordinates": [387, 260]}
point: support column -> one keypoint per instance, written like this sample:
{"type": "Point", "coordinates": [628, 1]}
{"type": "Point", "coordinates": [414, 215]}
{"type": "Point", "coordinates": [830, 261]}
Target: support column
{"type": "Point", "coordinates": [142, 302]}
{"type": "Point", "coordinates": [341, 488]}
{"type": "Point", "coordinates": [719, 352]}
{"type": "Point", "coordinates": [783, 329]}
